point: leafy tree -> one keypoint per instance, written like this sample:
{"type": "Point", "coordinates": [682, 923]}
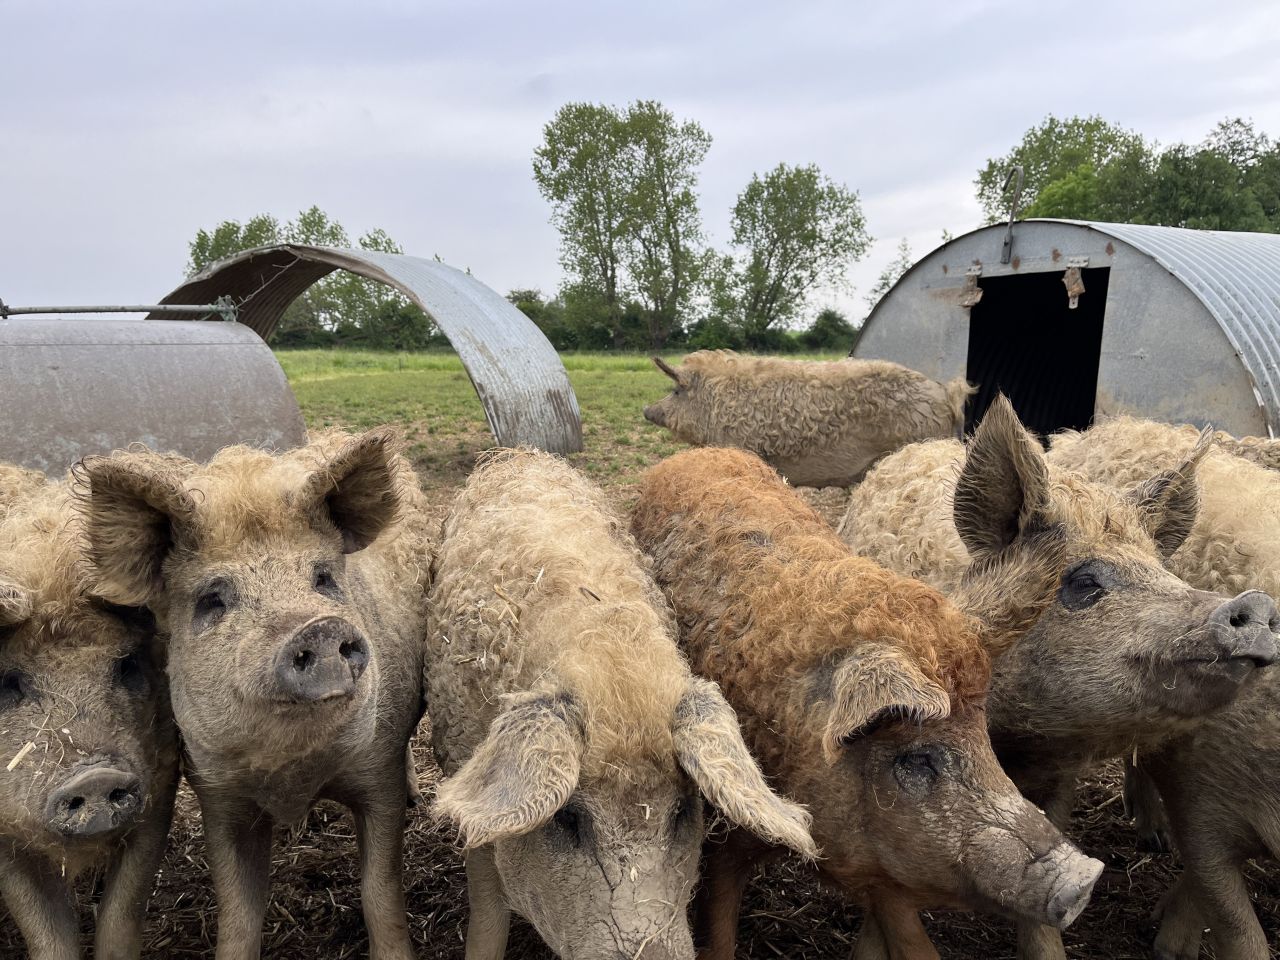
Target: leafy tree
{"type": "Point", "coordinates": [230, 237]}
{"type": "Point", "coordinates": [580, 169]}
{"type": "Point", "coordinates": [891, 274]}
{"type": "Point", "coordinates": [830, 330]}
{"type": "Point", "coordinates": [1053, 150]}
{"type": "Point", "coordinates": [1204, 190]}
{"type": "Point", "coordinates": [796, 228]}
{"type": "Point", "coordinates": [661, 220]}
{"type": "Point", "coordinates": [341, 307]}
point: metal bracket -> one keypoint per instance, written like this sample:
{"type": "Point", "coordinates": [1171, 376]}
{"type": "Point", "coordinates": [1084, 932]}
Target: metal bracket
{"type": "Point", "coordinates": [1006, 249]}
{"type": "Point", "coordinates": [1074, 281]}
{"type": "Point", "coordinates": [971, 293]}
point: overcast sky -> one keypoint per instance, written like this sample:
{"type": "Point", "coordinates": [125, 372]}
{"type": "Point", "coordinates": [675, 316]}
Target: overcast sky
{"type": "Point", "coordinates": [128, 126]}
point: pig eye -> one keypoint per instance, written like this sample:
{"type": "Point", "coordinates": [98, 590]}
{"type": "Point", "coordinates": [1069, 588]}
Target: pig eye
{"type": "Point", "coordinates": [685, 812]}
{"type": "Point", "coordinates": [211, 604]}
{"type": "Point", "coordinates": [919, 766]}
{"type": "Point", "coordinates": [130, 674]}
{"type": "Point", "coordinates": [568, 823]}
{"type": "Point", "coordinates": [1080, 588]}
{"type": "Point", "coordinates": [15, 686]}
{"type": "Point", "coordinates": [323, 582]}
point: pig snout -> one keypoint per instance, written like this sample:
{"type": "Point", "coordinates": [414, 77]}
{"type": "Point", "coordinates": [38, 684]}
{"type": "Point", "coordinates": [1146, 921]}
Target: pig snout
{"type": "Point", "coordinates": [1244, 632]}
{"type": "Point", "coordinates": [1075, 876]}
{"type": "Point", "coordinates": [323, 661]}
{"type": "Point", "coordinates": [94, 799]}
{"type": "Point", "coordinates": [653, 413]}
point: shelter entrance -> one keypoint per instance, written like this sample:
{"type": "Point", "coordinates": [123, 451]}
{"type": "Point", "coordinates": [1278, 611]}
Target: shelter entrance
{"type": "Point", "coordinates": [1026, 341]}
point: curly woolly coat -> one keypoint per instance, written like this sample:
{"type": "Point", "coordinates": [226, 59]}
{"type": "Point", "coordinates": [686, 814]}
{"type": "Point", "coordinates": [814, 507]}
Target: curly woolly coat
{"type": "Point", "coordinates": [1220, 784]}
{"type": "Point", "coordinates": [776, 594]}
{"type": "Point", "coordinates": [819, 423]}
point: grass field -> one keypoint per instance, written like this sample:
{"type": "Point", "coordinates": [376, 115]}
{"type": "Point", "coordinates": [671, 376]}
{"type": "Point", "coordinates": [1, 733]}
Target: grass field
{"type": "Point", "coordinates": [431, 398]}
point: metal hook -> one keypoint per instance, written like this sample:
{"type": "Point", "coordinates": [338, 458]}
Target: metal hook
{"type": "Point", "coordinates": [1006, 251]}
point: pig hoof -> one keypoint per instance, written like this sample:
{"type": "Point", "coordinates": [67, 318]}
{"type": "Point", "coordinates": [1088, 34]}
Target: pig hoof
{"type": "Point", "coordinates": [414, 799]}
{"type": "Point", "coordinates": [1155, 842]}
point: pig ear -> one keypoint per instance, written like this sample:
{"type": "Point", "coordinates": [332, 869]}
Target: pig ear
{"type": "Point", "coordinates": [875, 687]}
{"type": "Point", "coordinates": [133, 510]}
{"type": "Point", "coordinates": [525, 770]}
{"type": "Point", "coordinates": [1003, 490]}
{"type": "Point", "coordinates": [711, 751]}
{"type": "Point", "coordinates": [355, 491]}
{"type": "Point", "coordinates": [1169, 502]}
{"type": "Point", "coordinates": [666, 368]}
{"type": "Point", "coordinates": [15, 603]}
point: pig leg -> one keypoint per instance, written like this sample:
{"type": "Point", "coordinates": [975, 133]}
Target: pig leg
{"type": "Point", "coordinates": [1181, 924]}
{"type": "Point", "coordinates": [727, 868]}
{"type": "Point", "coordinates": [411, 777]}
{"type": "Point", "coordinates": [1219, 890]}
{"type": "Point", "coordinates": [118, 935]}
{"type": "Point", "coordinates": [1142, 802]}
{"type": "Point", "coordinates": [238, 837]}
{"type": "Point", "coordinates": [490, 918]}
{"type": "Point", "coordinates": [43, 907]}
{"type": "Point", "coordinates": [891, 930]}
{"type": "Point", "coordinates": [380, 835]}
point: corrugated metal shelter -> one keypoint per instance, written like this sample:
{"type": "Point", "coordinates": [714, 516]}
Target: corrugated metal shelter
{"type": "Point", "coordinates": [1093, 319]}
{"type": "Point", "coordinates": [74, 387]}
{"type": "Point", "coordinates": [522, 384]}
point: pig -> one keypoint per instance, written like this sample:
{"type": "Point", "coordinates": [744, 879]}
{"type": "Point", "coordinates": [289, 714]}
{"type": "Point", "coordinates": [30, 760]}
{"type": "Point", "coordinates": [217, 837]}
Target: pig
{"type": "Point", "coordinates": [862, 695]}
{"type": "Point", "coordinates": [90, 752]}
{"type": "Point", "coordinates": [1221, 782]}
{"type": "Point", "coordinates": [292, 589]}
{"type": "Point", "coordinates": [1125, 656]}
{"type": "Point", "coordinates": [577, 746]}
{"type": "Point", "coordinates": [818, 423]}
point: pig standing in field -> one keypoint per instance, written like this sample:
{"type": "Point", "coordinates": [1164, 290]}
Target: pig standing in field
{"type": "Point", "coordinates": [862, 693]}
{"type": "Point", "coordinates": [575, 741]}
{"type": "Point", "coordinates": [293, 590]}
{"type": "Point", "coordinates": [818, 423]}
{"type": "Point", "coordinates": [88, 751]}
{"type": "Point", "coordinates": [1124, 657]}
{"type": "Point", "coordinates": [1221, 782]}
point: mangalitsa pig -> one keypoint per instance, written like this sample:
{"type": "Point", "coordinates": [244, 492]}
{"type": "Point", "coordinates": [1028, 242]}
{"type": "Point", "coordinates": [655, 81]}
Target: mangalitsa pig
{"type": "Point", "coordinates": [863, 695]}
{"type": "Point", "coordinates": [293, 591]}
{"type": "Point", "coordinates": [88, 750]}
{"type": "Point", "coordinates": [1125, 655]}
{"type": "Point", "coordinates": [818, 423]}
{"type": "Point", "coordinates": [1221, 781]}
{"type": "Point", "coordinates": [578, 748]}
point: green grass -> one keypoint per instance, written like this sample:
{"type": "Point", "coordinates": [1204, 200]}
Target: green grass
{"type": "Point", "coordinates": [430, 398]}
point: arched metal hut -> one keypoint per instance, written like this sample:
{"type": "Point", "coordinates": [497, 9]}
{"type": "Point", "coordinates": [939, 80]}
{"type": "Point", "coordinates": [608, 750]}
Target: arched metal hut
{"type": "Point", "coordinates": [1085, 319]}
{"type": "Point", "coordinates": [522, 384]}
{"type": "Point", "coordinates": [72, 387]}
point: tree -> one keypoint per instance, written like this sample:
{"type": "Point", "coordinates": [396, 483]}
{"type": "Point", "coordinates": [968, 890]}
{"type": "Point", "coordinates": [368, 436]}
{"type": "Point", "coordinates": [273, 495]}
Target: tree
{"type": "Point", "coordinates": [661, 220]}
{"type": "Point", "coordinates": [830, 330]}
{"type": "Point", "coordinates": [580, 169]}
{"type": "Point", "coordinates": [796, 228]}
{"type": "Point", "coordinates": [341, 306]}
{"type": "Point", "coordinates": [230, 237]}
{"type": "Point", "coordinates": [1201, 188]}
{"type": "Point", "coordinates": [621, 184]}
{"type": "Point", "coordinates": [892, 273]}
{"type": "Point", "coordinates": [1053, 150]}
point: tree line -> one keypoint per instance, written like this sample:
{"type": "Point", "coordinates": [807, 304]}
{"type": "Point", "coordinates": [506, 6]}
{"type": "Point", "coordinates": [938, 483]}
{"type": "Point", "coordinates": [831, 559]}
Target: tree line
{"type": "Point", "coordinates": [1086, 168]}
{"type": "Point", "coordinates": [639, 272]}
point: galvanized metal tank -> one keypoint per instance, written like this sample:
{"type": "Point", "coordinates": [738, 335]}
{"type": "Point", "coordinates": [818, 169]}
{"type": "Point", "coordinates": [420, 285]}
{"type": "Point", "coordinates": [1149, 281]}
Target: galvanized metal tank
{"type": "Point", "coordinates": [1095, 319]}
{"type": "Point", "coordinates": [73, 387]}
